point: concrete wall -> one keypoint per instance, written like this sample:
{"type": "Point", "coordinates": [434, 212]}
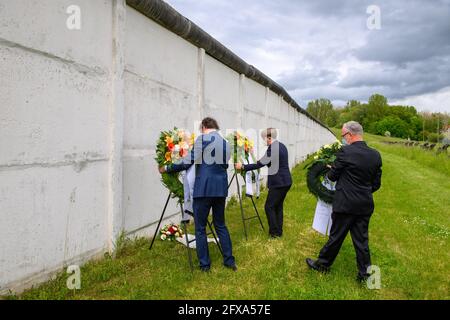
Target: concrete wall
{"type": "Point", "coordinates": [80, 112]}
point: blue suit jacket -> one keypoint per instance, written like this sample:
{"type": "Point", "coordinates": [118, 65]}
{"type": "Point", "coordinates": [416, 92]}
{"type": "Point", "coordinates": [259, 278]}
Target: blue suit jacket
{"type": "Point", "coordinates": [276, 158]}
{"type": "Point", "coordinates": [210, 155]}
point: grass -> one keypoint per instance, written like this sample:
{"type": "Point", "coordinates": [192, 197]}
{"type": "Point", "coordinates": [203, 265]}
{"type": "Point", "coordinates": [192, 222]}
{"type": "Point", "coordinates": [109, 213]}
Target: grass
{"type": "Point", "coordinates": [409, 241]}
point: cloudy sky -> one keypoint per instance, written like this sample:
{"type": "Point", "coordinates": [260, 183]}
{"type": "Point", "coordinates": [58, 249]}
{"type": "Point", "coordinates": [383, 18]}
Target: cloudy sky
{"type": "Point", "coordinates": [326, 49]}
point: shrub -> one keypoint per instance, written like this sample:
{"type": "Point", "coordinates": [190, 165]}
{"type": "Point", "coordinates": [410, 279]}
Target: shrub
{"type": "Point", "coordinates": [434, 137]}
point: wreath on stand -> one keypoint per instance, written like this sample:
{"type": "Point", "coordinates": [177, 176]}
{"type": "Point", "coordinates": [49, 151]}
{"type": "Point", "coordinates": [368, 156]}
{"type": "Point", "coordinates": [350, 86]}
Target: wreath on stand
{"type": "Point", "coordinates": [317, 171]}
{"type": "Point", "coordinates": [242, 149]}
{"type": "Point", "coordinates": [171, 147]}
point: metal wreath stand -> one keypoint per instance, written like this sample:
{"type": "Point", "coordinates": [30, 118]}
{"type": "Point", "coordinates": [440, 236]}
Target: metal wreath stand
{"type": "Point", "coordinates": [211, 232]}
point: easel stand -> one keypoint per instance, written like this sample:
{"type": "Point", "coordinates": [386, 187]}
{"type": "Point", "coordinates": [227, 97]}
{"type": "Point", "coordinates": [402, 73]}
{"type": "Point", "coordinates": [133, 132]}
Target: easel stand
{"type": "Point", "coordinates": [185, 233]}
{"type": "Point", "coordinates": [244, 218]}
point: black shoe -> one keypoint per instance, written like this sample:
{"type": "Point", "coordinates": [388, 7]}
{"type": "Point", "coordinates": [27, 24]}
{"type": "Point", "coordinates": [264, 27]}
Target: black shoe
{"type": "Point", "coordinates": [232, 267]}
{"type": "Point", "coordinates": [362, 279]}
{"type": "Point", "coordinates": [314, 265]}
{"type": "Point", "coordinates": [205, 269]}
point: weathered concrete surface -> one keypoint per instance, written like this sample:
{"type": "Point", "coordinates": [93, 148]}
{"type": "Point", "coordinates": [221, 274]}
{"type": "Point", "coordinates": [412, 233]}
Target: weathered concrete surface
{"type": "Point", "coordinates": [55, 92]}
{"type": "Point", "coordinates": [80, 113]}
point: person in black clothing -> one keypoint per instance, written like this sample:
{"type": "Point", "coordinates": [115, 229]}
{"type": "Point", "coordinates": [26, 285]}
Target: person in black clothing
{"type": "Point", "coordinates": [279, 179]}
{"type": "Point", "coordinates": [357, 170]}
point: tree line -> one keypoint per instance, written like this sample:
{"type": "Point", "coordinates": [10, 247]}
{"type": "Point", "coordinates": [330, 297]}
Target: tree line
{"type": "Point", "coordinates": [378, 117]}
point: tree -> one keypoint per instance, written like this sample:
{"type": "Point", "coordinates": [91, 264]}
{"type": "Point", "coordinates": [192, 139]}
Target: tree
{"type": "Point", "coordinates": [322, 109]}
{"type": "Point", "coordinates": [434, 137]}
{"type": "Point", "coordinates": [376, 110]}
{"type": "Point", "coordinates": [377, 116]}
{"type": "Point", "coordinates": [332, 118]}
{"type": "Point", "coordinates": [353, 110]}
{"type": "Point", "coordinates": [396, 126]}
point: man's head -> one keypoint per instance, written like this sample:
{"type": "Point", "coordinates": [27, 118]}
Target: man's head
{"type": "Point", "coordinates": [352, 131]}
{"type": "Point", "coordinates": [208, 124]}
{"type": "Point", "coordinates": [269, 135]}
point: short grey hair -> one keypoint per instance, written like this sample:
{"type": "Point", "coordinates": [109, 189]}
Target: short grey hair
{"type": "Point", "coordinates": [354, 128]}
{"type": "Point", "coordinates": [269, 133]}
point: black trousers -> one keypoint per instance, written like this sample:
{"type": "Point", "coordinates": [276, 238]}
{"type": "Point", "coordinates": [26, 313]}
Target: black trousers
{"type": "Point", "coordinates": [274, 210]}
{"type": "Point", "coordinates": [202, 206]}
{"type": "Point", "coordinates": [359, 230]}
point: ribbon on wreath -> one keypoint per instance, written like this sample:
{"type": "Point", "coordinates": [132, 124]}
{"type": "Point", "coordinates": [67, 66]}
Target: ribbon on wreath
{"type": "Point", "coordinates": [252, 180]}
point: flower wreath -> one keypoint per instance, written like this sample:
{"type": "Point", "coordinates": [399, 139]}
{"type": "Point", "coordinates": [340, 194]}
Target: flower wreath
{"type": "Point", "coordinates": [170, 148]}
{"type": "Point", "coordinates": [318, 169]}
{"type": "Point", "coordinates": [242, 148]}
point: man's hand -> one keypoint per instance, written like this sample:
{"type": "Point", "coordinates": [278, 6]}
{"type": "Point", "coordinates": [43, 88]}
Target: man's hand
{"type": "Point", "coordinates": [238, 166]}
{"type": "Point", "coordinates": [162, 169]}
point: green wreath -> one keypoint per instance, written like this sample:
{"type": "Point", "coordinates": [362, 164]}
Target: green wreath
{"type": "Point", "coordinates": [171, 147]}
{"type": "Point", "coordinates": [318, 169]}
{"type": "Point", "coordinates": [315, 175]}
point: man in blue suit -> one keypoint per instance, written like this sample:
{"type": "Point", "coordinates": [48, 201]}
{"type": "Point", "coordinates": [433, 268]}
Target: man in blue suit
{"type": "Point", "coordinates": [210, 155]}
{"type": "Point", "coordinates": [279, 179]}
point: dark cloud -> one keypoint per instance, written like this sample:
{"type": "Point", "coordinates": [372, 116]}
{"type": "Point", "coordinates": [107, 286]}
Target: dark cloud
{"type": "Point", "coordinates": [410, 32]}
{"type": "Point", "coordinates": [414, 78]}
{"type": "Point", "coordinates": [324, 48]}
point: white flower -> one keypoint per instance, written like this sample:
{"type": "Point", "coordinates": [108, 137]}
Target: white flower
{"type": "Point", "coordinates": [316, 157]}
{"type": "Point", "coordinates": [168, 233]}
{"type": "Point", "coordinates": [175, 228]}
{"type": "Point", "coordinates": [177, 148]}
{"type": "Point", "coordinates": [163, 237]}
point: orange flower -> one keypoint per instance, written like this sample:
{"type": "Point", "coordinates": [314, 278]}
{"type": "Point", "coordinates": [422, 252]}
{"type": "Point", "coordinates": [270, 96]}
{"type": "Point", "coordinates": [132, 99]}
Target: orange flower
{"type": "Point", "coordinates": [168, 140]}
{"type": "Point", "coordinates": [168, 156]}
{"type": "Point", "coordinates": [170, 146]}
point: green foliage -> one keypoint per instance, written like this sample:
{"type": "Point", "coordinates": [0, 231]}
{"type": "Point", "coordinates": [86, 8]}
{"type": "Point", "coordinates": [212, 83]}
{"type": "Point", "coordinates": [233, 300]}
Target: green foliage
{"type": "Point", "coordinates": [434, 137]}
{"type": "Point", "coordinates": [377, 117]}
{"type": "Point", "coordinates": [170, 180]}
{"type": "Point", "coordinates": [120, 243]}
{"type": "Point", "coordinates": [314, 177]}
{"type": "Point", "coordinates": [377, 107]}
{"type": "Point", "coordinates": [396, 126]}
{"type": "Point", "coordinates": [318, 169]}
{"type": "Point", "coordinates": [322, 109]}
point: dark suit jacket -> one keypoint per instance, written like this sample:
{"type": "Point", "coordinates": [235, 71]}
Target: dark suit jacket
{"type": "Point", "coordinates": [357, 170]}
{"type": "Point", "coordinates": [279, 173]}
{"type": "Point", "coordinates": [210, 155]}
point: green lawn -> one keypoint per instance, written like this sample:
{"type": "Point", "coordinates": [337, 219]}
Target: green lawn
{"type": "Point", "coordinates": [409, 241]}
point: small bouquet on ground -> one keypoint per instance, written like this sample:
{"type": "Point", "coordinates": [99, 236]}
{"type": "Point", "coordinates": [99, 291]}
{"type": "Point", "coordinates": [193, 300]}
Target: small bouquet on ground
{"type": "Point", "coordinates": [242, 148]}
{"type": "Point", "coordinates": [171, 147]}
{"type": "Point", "coordinates": [318, 169]}
{"type": "Point", "coordinates": [170, 232]}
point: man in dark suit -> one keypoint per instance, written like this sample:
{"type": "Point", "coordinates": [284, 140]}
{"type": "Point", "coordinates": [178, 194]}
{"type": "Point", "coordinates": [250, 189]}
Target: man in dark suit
{"type": "Point", "coordinates": [279, 179]}
{"type": "Point", "coordinates": [357, 170]}
{"type": "Point", "coordinates": [210, 154]}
